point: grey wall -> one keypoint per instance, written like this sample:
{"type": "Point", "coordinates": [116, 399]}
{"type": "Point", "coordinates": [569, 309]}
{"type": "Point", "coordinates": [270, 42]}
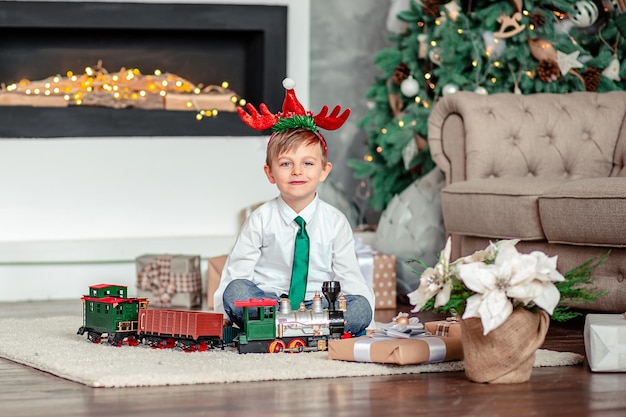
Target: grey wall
{"type": "Point", "coordinates": [345, 35]}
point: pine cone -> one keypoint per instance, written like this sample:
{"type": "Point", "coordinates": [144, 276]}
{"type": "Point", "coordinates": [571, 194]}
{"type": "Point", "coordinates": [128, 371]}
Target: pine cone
{"type": "Point", "coordinates": [537, 19]}
{"type": "Point", "coordinates": [431, 7]}
{"type": "Point", "coordinates": [592, 79]}
{"type": "Point", "coordinates": [548, 70]}
{"type": "Point", "coordinates": [400, 73]}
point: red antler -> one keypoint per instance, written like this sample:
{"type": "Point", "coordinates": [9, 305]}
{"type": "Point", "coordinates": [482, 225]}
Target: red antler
{"type": "Point", "coordinates": [333, 120]}
{"type": "Point", "coordinates": [257, 121]}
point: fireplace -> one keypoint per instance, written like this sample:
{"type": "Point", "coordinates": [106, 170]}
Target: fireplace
{"type": "Point", "coordinates": [207, 44]}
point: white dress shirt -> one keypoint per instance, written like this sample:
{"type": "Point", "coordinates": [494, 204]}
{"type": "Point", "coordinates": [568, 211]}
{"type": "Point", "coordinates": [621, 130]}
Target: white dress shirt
{"type": "Point", "coordinates": [263, 252]}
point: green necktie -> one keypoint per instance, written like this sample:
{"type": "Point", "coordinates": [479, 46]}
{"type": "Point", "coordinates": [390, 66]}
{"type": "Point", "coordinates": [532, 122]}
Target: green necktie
{"type": "Point", "coordinates": [300, 269]}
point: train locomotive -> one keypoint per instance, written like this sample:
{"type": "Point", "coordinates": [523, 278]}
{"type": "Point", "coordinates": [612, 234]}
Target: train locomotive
{"type": "Point", "coordinates": [109, 315]}
{"type": "Point", "coordinates": [267, 329]}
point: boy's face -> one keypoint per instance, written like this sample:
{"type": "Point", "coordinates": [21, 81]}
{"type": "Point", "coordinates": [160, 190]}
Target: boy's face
{"type": "Point", "coordinates": [297, 174]}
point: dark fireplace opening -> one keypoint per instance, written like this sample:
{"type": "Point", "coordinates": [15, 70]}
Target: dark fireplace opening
{"type": "Point", "coordinates": [245, 45]}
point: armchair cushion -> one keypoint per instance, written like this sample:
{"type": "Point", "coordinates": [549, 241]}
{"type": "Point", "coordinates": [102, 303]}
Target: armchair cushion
{"type": "Point", "coordinates": [496, 208]}
{"type": "Point", "coordinates": [590, 211]}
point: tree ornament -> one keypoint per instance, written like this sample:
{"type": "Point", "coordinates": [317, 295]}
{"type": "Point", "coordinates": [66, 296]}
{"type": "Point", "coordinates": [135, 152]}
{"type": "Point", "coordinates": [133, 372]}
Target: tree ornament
{"type": "Point", "coordinates": [422, 38]}
{"type": "Point", "coordinates": [493, 46]}
{"type": "Point", "coordinates": [453, 9]}
{"type": "Point", "coordinates": [510, 25]}
{"type": "Point", "coordinates": [449, 89]}
{"type": "Point", "coordinates": [400, 73]}
{"type": "Point", "coordinates": [434, 56]}
{"type": "Point", "coordinates": [612, 71]}
{"type": "Point", "coordinates": [481, 90]}
{"type": "Point", "coordinates": [409, 87]}
{"type": "Point", "coordinates": [567, 61]}
{"type": "Point", "coordinates": [537, 19]}
{"type": "Point", "coordinates": [548, 70]}
{"type": "Point", "coordinates": [586, 13]}
{"type": "Point", "coordinates": [541, 49]}
{"type": "Point", "coordinates": [592, 79]}
{"type": "Point", "coordinates": [431, 7]}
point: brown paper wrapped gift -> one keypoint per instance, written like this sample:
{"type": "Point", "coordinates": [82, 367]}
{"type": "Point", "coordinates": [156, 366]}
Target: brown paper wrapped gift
{"type": "Point", "coordinates": [444, 328]}
{"type": "Point", "coordinates": [384, 282]}
{"type": "Point", "coordinates": [170, 280]}
{"type": "Point", "coordinates": [214, 274]}
{"type": "Point", "coordinates": [413, 351]}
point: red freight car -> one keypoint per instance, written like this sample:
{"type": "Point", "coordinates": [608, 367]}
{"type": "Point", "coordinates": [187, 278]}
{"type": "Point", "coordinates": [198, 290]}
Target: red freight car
{"type": "Point", "coordinates": [189, 330]}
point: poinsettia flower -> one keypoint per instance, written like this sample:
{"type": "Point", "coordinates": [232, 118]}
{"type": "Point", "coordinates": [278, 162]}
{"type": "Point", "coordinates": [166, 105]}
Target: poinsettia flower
{"type": "Point", "coordinates": [442, 298]}
{"type": "Point", "coordinates": [428, 288]}
{"type": "Point", "coordinates": [546, 267]}
{"type": "Point", "coordinates": [512, 277]}
{"type": "Point", "coordinates": [433, 281]}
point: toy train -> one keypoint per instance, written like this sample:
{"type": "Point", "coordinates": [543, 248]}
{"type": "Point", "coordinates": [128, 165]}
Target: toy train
{"type": "Point", "coordinates": [109, 315]}
{"type": "Point", "coordinates": [268, 330]}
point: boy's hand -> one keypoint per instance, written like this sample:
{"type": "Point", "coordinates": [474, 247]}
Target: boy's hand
{"type": "Point", "coordinates": [226, 323]}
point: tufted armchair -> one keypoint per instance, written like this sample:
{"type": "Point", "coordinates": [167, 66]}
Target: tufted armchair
{"type": "Point", "coordinates": [545, 168]}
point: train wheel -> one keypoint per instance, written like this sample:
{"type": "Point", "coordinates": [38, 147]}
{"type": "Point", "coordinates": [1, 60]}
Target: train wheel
{"type": "Point", "coordinates": [276, 346]}
{"type": "Point", "coordinates": [115, 339]}
{"type": "Point", "coordinates": [132, 341]}
{"type": "Point", "coordinates": [296, 345]}
{"type": "Point", "coordinates": [94, 337]}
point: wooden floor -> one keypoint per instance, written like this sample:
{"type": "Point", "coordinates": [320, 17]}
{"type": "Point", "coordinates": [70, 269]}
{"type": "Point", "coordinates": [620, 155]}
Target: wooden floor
{"type": "Point", "coordinates": [572, 391]}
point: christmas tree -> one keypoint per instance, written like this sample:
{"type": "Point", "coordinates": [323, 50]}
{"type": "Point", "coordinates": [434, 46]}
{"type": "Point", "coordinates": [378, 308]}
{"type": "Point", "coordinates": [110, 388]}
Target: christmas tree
{"type": "Point", "coordinates": [484, 46]}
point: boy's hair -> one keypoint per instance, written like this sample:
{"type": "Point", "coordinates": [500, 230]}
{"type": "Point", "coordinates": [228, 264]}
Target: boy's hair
{"type": "Point", "coordinates": [290, 140]}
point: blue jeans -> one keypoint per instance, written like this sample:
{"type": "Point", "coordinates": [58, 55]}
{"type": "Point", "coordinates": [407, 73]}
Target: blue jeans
{"type": "Point", "coordinates": [358, 314]}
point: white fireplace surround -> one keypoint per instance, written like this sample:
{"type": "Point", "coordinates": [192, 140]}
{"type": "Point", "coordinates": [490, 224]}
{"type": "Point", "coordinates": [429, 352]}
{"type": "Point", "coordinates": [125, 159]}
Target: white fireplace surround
{"type": "Point", "coordinates": [78, 211]}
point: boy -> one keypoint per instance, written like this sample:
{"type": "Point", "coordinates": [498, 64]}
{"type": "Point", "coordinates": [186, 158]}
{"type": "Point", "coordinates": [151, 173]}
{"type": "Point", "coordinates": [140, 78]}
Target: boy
{"type": "Point", "coordinates": [260, 263]}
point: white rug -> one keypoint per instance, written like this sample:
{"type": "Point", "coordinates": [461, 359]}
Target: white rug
{"type": "Point", "coordinates": [52, 345]}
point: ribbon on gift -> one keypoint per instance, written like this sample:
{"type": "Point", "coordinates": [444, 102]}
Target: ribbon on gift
{"type": "Point", "coordinates": [436, 346]}
{"type": "Point", "coordinates": [365, 256]}
{"type": "Point", "coordinates": [157, 277]}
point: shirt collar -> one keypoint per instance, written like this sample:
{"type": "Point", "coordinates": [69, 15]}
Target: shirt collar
{"type": "Point", "coordinates": [288, 214]}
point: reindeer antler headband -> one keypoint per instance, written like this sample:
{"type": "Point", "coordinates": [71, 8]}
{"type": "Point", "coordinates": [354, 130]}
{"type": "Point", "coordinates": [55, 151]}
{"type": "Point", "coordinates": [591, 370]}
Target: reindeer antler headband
{"type": "Point", "coordinates": [293, 116]}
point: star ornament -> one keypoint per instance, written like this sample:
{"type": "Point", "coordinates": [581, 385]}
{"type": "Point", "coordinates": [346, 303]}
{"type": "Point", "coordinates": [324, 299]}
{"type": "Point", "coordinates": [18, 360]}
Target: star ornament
{"type": "Point", "coordinates": [567, 61]}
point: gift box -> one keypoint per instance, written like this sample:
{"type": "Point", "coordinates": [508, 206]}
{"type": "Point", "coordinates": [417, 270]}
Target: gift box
{"type": "Point", "coordinates": [411, 351]}
{"type": "Point", "coordinates": [170, 280]}
{"type": "Point", "coordinates": [384, 281]}
{"type": "Point", "coordinates": [214, 274]}
{"type": "Point", "coordinates": [605, 342]}
{"type": "Point", "coordinates": [444, 328]}
{"type": "Point", "coordinates": [379, 271]}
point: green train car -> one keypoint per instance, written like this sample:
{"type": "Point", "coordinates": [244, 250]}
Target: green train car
{"type": "Point", "coordinates": [108, 310]}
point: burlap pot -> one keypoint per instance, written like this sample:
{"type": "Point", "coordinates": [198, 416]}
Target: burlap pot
{"type": "Point", "coordinates": [506, 355]}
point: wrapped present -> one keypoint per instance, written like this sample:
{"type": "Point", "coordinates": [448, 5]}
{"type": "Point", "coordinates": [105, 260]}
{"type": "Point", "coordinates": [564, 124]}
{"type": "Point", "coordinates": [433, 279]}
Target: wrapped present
{"type": "Point", "coordinates": [385, 281]}
{"type": "Point", "coordinates": [444, 328]}
{"type": "Point", "coordinates": [168, 280]}
{"type": "Point", "coordinates": [605, 342]}
{"type": "Point", "coordinates": [214, 274]}
{"type": "Point", "coordinates": [400, 351]}
{"type": "Point", "coordinates": [379, 271]}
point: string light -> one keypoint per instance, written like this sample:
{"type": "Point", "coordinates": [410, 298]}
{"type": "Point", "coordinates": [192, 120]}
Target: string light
{"type": "Point", "coordinates": [133, 87]}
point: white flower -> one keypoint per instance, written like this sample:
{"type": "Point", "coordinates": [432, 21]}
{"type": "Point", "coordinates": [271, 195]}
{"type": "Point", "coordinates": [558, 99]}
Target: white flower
{"type": "Point", "coordinates": [513, 276]}
{"type": "Point", "coordinates": [434, 282]}
{"type": "Point", "coordinates": [501, 278]}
